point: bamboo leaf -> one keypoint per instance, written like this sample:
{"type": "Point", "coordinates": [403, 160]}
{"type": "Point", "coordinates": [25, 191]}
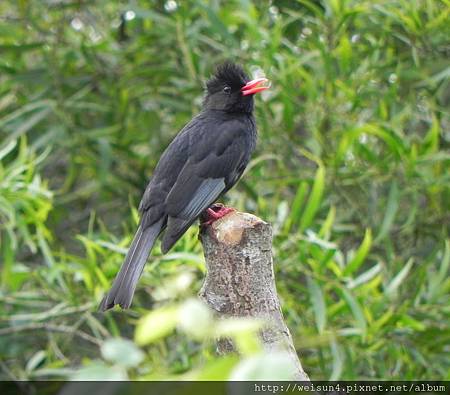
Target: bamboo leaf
{"type": "Point", "coordinates": [390, 213]}
{"type": "Point", "coordinates": [318, 302]}
{"type": "Point", "coordinates": [360, 255]}
{"type": "Point", "coordinates": [314, 200]}
{"type": "Point", "coordinates": [156, 325]}
{"type": "Point", "coordinates": [393, 286]}
{"type": "Point", "coordinates": [356, 310]}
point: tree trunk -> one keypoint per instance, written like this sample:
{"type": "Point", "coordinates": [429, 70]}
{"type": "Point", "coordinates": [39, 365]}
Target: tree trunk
{"type": "Point", "coordinates": [240, 279]}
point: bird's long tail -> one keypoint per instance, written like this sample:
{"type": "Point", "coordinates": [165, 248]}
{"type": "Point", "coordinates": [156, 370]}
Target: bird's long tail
{"type": "Point", "coordinates": [122, 291]}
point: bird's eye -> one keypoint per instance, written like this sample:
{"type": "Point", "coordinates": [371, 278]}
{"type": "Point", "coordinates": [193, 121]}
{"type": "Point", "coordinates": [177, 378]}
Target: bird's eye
{"type": "Point", "coordinates": [227, 90]}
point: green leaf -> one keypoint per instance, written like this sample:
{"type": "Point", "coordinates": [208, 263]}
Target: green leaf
{"type": "Point", "coordinates": [318, 303]}
{"type": "Point", "coordinates": [328, 223]}
{"type": "Point", "coordinates": [344, 52]}
{"type": "Point", "coordinates": [338, 361]}
{"type": "Point", "coordinates": [356, 310]}
{"type": "Point", "coordinates": [294, 215]}
{"type": "Point", "coordinates": [243, 331]}
{"type": "Point", "coordinates": [406, 321]}
{"type": "Point", "coordinates": [32, 121]}
{"type": "Point", "coordinates": [399, 278]}
{"type": "Point", "coordinates": [7, 148]}
{"type": "Point", "coordinates": [391, 211]}
{"type": "Point", "coordinates": [360, 255]}
{"type": "Point", "coordinates": [195, 318]}
{"type": "Point", "coordinates": [366, 276]}
{"type": "Point", "coordinates": [235, 326]}
{"type": "Point", "coordinates": [219, 369]}
{"type": "Point", "coordinates": [445, 263]}
{"type": "Point", "coordinates": [35, 360]}
{"type": "Point", "coordinates": [156, 325]}
{"type": "Point", "coordinates": [273, 366]}
{"type": "Point", "coordinates": [7, 274]}
{"type": "Point", "coordinates": [122, 352]}
{"type": "Point", "coordinates": [314, 199]}
{"type": "Point", "coordinates": [99, 371]}
{"type": "Point", "coordinates": [431, 140]}
{"type": "Point", "coordinates": [21, 47]}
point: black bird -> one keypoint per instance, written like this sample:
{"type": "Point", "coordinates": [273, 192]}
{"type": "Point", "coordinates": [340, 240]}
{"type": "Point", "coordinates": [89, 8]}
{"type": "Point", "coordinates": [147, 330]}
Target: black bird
{"type": "Point", "coordinates": [206, 158]}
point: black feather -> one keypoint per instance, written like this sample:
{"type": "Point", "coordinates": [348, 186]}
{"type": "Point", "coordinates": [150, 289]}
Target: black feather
{"type": "Point", "coordinates": [122, 291]}
{"type": "Point", "coordinates": [203, 161]}
{"type": "Point", "coordinates": [227, 73]}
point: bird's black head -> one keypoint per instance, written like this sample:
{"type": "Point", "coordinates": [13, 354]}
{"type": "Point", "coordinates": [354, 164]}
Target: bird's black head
{"type": "Point", "coordinates": [230, 90]}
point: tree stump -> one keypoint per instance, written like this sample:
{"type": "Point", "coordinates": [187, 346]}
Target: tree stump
{"type": "Point", "coordinates": [240, 280]}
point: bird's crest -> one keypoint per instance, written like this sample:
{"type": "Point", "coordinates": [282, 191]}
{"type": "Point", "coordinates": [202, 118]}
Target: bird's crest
{"type": "Point", "coordinates": [227, 73]}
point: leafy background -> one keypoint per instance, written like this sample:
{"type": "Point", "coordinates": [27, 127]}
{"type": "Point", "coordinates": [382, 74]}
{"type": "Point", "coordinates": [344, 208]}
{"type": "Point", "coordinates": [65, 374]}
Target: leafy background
{"type": "Point", "coordinates": [351, 169]}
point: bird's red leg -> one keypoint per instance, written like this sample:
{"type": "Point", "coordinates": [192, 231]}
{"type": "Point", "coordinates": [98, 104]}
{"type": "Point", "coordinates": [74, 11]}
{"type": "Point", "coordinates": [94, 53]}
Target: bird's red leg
{"type": "Point", "coordinates": [215, 212]}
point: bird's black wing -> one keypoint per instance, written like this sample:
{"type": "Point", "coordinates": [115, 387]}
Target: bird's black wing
{"type": "Point", "coordinates": [211, 169]}
{"type": "Point", "coordinates": [153, 220]}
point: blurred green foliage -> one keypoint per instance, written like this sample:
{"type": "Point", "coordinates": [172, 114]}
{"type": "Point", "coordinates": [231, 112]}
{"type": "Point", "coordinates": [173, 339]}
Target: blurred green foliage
{"type": "Point", "coordinates": [352, 169]}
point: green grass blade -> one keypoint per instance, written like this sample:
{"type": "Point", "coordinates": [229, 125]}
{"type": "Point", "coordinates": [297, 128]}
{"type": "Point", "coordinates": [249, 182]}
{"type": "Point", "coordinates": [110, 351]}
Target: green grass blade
{"type": "Point", "coordinates": [360, 255]}
{"type": "Point", "coordinates": [314, 200]}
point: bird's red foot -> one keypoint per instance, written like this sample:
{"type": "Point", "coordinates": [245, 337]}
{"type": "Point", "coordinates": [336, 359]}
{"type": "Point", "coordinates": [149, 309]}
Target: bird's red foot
{"type": "Point", "coordinates": [215, 212]}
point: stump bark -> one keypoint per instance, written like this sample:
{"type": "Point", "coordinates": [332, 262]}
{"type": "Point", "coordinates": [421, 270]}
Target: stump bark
{"type": "Point", "coordinates": [240, 279]}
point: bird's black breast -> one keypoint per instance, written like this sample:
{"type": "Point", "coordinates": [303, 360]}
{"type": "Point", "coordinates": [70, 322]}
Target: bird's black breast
{"type": "Point", "coordinates": [213, 145]}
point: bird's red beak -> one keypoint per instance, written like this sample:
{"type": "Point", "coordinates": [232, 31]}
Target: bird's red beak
{"type": "Point", "coordinates": [255, 86]}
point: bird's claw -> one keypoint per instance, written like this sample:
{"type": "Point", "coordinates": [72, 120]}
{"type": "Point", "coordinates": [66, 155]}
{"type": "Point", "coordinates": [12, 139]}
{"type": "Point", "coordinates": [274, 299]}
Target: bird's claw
{"type": "Point", "coordinates": [215, 212]}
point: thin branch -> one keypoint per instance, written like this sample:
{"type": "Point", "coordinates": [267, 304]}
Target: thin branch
{"type": "Point", "coordinates": [50, 328]}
